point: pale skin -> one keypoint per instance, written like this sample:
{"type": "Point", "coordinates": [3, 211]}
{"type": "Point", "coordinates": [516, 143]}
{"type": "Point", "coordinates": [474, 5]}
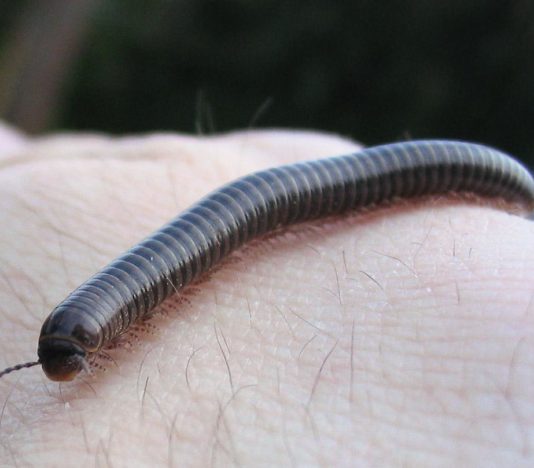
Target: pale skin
{"type": "Point", "coordinates": [404, 336]}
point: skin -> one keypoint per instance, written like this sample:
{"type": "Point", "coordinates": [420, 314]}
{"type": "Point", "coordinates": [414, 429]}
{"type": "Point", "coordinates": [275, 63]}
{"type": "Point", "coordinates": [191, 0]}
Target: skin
{"type": "Point", "coordinates": [404, 336]}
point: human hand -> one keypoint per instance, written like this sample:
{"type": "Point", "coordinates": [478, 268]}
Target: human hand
{"type": "Point", "coordinates": [401, 336]}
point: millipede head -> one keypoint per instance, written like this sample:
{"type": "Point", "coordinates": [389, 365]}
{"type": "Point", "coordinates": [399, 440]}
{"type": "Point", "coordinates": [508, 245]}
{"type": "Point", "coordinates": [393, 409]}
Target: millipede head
{"type": "Point", "coordinates": [62, 359]}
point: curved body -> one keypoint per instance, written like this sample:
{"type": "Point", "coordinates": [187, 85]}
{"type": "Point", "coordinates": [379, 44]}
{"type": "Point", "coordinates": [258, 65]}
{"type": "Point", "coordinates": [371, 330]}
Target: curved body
{"type": "Point", "coordinates": [132, 285]}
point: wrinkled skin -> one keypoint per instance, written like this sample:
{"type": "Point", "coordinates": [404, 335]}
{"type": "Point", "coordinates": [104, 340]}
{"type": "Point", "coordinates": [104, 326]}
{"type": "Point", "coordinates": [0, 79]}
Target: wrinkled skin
{"type": "Point", "coordinates": [402, 337]}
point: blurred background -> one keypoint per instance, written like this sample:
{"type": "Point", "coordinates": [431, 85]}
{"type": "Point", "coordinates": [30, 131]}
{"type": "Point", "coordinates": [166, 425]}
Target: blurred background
{"type": "Point", "coordinates": [376, 71]}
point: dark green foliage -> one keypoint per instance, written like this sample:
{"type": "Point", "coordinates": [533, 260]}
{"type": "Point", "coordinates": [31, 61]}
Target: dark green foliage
{"type": "Point", "coordinates": [373, 70]}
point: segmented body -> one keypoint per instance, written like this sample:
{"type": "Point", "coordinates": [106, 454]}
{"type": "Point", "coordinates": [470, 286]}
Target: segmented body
{"type": "Point", "coordinates": [135, 283]}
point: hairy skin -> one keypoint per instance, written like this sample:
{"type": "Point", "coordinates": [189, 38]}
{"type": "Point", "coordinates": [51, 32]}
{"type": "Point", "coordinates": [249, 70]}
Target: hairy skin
{"type": "Point", "coordinates": [402, 336]}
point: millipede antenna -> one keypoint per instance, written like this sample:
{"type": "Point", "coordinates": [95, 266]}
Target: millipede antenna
{"type": "Point", "coordinates": [8, 370]}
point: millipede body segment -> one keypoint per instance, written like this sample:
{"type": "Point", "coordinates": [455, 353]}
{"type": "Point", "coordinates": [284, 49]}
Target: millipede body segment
{"type": "Point", "coordinates": [132, 285]}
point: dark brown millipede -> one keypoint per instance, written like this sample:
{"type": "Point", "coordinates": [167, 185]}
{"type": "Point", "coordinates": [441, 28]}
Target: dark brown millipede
{"type": "Point", "coordinates": [131, 286]}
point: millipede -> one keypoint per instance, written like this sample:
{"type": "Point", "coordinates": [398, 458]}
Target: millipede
{"type": "Point", "coordinates": [131, 286]}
